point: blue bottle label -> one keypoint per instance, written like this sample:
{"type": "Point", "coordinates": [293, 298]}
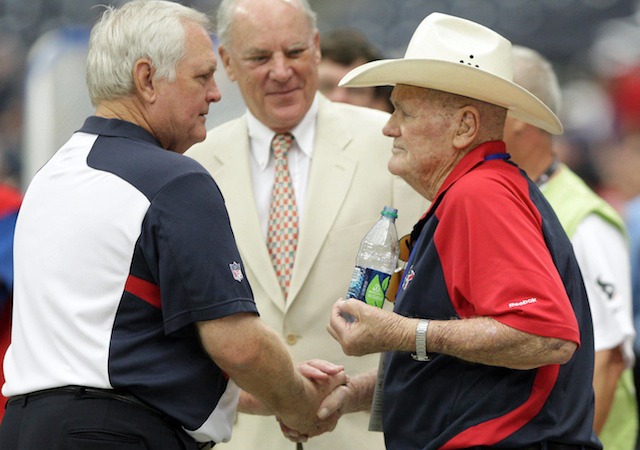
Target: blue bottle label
{"type": "Point", "coordinates": [369, 285]}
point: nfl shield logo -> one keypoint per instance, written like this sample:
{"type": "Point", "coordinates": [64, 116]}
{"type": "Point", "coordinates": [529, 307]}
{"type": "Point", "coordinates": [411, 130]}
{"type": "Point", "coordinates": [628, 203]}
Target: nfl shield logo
{"type": "Point", "coordinates": [236, 271]}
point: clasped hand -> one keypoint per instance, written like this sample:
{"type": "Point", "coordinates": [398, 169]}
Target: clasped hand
{"type": "Point", "coordinates": [322, 379]}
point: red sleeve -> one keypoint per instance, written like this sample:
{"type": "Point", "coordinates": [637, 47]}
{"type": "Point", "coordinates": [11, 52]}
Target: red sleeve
{"type": "Point", "coordinates": [495, 259]}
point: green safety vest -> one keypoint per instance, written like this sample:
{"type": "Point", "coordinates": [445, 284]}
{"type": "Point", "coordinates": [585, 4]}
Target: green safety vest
{"type": "Point", "coordinates": [573, 201]}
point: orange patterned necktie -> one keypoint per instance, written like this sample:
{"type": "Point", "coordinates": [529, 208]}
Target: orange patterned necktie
{"type": "Point", "coordinates": [282, 236]}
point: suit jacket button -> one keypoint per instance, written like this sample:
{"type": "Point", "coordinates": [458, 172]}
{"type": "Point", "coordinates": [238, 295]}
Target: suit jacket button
{"type": "Point", "coordinates": [291, 338]}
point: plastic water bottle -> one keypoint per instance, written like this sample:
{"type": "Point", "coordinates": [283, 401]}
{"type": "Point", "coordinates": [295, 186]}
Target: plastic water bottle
{"type": "Point", "coordinates": [376, 260]}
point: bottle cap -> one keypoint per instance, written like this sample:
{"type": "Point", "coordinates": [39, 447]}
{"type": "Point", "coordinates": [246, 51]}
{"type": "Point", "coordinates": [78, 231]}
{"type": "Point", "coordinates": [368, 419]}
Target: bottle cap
{"type": "Point", "coordinates": [389, 212]}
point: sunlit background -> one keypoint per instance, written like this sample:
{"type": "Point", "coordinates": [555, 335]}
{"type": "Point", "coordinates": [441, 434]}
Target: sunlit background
{"type": "Point", "coordinates": [593, 44]}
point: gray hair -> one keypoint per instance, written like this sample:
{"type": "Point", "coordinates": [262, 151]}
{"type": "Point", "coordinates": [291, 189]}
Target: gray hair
{"type": "Point", "coordinates": [535, 73]}
{"type": "Point", "coordinates": [226, 11]}
{"type": "Point", "coordinates": [152, 29]}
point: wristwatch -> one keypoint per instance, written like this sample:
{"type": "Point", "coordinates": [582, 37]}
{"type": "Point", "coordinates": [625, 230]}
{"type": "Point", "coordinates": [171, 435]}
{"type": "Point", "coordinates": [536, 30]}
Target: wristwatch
{"type": "Point", "coordinates": [421, 341]}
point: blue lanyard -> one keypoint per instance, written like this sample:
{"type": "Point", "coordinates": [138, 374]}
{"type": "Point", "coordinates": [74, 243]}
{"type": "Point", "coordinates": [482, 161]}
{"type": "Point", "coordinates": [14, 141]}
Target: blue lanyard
{"type": "Point", "coordinates": [503, 156]}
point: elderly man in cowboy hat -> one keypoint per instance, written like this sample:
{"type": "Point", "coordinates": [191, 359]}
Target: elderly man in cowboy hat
{"type": "Point", "coordinates": [490, 344]}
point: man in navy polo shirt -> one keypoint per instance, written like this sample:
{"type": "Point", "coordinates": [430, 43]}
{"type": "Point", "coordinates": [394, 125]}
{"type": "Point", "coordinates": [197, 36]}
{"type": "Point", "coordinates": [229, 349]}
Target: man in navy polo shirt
{"type": "Point", "coordinates": [490, 344]}
{"type": "Point", "coordinates": [134, 324]}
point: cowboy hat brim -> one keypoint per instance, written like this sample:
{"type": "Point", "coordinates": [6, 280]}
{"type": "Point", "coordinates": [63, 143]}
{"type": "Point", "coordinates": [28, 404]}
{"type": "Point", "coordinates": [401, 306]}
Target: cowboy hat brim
{"type": "Point", "coordinates": [460, 79]}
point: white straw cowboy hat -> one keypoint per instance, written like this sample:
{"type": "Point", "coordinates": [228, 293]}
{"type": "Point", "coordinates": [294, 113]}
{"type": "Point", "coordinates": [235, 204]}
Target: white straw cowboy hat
{"type": "Point", "coordinates": [459, 56]}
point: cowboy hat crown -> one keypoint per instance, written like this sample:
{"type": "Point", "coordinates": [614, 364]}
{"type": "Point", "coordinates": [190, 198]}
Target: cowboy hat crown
{"type": "Point", "coordinates": [462, 57]}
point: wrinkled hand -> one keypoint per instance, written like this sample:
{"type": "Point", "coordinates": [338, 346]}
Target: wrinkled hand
{"type": "Point", "coordinates": [328, 411]}
{"type": "Point", "coordinates": [364, 332]}
{"type": "Point", "coordinates": [326, 425]}
{"type": "Point", "coordinates": [336, 401]}
{"type": "Point", "coordinates": [356, 395]}
{"type": "Point", "coordinates": [321, 378]}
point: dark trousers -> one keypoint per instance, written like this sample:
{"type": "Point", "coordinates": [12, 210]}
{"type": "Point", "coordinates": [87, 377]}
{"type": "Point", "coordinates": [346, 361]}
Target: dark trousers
{"type": "Point", "coordinates": [68, 421]}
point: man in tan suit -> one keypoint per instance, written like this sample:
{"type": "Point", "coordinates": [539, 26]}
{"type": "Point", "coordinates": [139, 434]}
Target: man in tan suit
{"type": "Point", "coordinates": [338, 168]}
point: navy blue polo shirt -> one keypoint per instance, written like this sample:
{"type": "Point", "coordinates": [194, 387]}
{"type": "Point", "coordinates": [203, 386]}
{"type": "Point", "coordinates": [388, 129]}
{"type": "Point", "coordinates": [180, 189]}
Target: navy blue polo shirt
{"type": "Point", "coordinates": [490, 245]}
{"type": "Point", "coordinates": [121, 247]}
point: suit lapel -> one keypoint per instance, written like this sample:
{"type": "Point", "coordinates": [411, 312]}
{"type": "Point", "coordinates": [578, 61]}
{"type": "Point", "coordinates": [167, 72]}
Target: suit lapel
{"type": "Point", "coordinates": [332, 171]}
{"type": "Point", "coordinates": [232, 172]}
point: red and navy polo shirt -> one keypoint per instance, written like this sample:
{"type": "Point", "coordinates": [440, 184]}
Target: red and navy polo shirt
{"type": "Point", "coordinates": [491, 245]}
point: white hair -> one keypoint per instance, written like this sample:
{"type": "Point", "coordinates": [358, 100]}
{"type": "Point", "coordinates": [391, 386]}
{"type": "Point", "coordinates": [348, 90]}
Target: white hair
{"type": "Point", "coordinates": [152, 29]}
{"type": "Point", "coordinates": [534, 73]}
{"type": "Point", "coordinates": [226, 11]}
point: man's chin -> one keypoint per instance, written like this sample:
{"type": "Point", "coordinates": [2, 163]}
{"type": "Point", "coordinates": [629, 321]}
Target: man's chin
{"type": "Point", "coordinates": [284, 119]}
{"type": "Point", "coordinates": [200, 133]}
{"type": "Point", "coordinates": [394, 167]}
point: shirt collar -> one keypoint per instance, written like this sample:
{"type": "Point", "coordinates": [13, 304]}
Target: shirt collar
{"type": "Point", "coordinates": [472, 159]}
{"type": "Point", "coordinates": [260, 136]}
{"type": "Point", "coordinates": [116, 128]}
{"type": "Point", "coordinates": [487, 150]}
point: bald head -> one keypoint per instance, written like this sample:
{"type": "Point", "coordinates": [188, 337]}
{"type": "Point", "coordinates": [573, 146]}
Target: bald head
{"type": "Point", "coordinates": [228, 8]}
{"type": "Point", "coordinates": [530, 147]}
{"type": "Point", "coordinates": [535, 73]}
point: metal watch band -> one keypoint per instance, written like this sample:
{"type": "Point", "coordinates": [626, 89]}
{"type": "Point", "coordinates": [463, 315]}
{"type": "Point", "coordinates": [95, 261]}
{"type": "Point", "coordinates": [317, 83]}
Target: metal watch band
{"type": "Point", "coordinates": [421, 341]}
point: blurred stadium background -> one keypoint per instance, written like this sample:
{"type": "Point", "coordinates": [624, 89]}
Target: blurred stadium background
{"type": "Point", "coordinates": [592, 44]}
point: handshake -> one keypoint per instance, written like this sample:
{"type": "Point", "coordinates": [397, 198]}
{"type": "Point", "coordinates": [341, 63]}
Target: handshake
{"type": "Point", "coordinates": [356, 326]}
{"type": "Point", "coordinates": [327, 394]}
{"type": "Point", "coordinates": [307, 399]}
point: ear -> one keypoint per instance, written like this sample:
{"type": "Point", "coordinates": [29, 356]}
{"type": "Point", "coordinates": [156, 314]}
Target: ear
{"type": "Point", "coordinates": [316, 43]}
{"type": "Point", "coordinates": [468, 127]}
{"type": "Point", "coordinates": [143, 79]}
{"type": "Point", "coordinates": [226, 62]}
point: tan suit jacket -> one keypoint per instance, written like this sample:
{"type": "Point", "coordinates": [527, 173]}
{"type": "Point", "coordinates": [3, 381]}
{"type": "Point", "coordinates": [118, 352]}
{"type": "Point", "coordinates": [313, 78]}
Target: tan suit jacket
{"type": "Point", "coordinates": [348, 186]}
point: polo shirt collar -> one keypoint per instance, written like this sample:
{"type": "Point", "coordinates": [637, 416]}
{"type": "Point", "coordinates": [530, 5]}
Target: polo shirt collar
{"type": "Point", "coordinates": [487, 150]}
{"type": "Point", "coordinates": [117, 128]}
{"type": "Point", "coordinates": [472, 159]}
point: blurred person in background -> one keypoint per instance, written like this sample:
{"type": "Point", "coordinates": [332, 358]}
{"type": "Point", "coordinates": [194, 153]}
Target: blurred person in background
{"type": "Point", "coordinates": [339, 184]}
{"type": "Point", "coordinates": [343, 50]}
{"type": "Point", "coordinates": [10, 199]}
{"type": "Point", "coordinates": [12, 55]}
{"type": "Point", "coordinates": [632, 220]}
{"type": "Point", "coordinates": [599, 240]}
{"type": "Point", "coordinates": [624, 89]}
{"type": "Point", "coordinates": [622, 162]}
{"type": "Point", "coordinates": [617, 66]}
{"type": "Point", "coordinates": [134, 323]}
